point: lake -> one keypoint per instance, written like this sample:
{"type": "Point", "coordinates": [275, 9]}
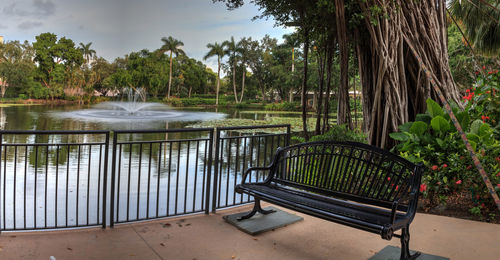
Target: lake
{"type": "Point", "coordinates": [58, 180]}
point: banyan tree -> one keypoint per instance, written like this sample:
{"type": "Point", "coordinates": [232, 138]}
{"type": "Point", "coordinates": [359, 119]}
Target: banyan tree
{"type": "Point", "coordinates": [388, 38]}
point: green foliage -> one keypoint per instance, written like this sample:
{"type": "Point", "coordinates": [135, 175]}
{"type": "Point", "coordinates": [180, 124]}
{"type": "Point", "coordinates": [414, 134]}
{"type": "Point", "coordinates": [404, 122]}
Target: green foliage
{"type": "Point", "coordinates": [283, 106]}
{"type": "Point", "coordinates": [433, 141]}
{"type": "Point", "coordinates": [340, 133]}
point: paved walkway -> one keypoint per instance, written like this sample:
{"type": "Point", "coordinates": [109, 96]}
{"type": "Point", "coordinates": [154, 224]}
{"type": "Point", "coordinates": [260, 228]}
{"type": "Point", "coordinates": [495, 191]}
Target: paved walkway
{"type": "Point", "coordinates": [209, 237]}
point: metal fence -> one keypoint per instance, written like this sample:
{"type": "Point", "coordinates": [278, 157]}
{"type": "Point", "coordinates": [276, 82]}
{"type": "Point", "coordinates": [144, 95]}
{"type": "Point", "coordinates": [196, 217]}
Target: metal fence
{"type": "Point", "coordinates": [59, 179]}
{"type": "Point", "coordinates": [160, 178]}
{"type": "Point", "coordinates": [53, 179]}
{"type": "Point", "coordinates": [236, 150]}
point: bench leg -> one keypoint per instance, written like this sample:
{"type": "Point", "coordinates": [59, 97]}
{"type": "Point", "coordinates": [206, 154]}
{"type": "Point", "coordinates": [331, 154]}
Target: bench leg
{"type": "Point", "coordinates": [256, 208]}
{"type": "Point", "coordinates": [405, 245]}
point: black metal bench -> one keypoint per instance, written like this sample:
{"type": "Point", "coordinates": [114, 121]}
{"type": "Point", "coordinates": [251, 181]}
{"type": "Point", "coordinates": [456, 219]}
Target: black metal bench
{"type": "Point", "coordinates": [345, 182]}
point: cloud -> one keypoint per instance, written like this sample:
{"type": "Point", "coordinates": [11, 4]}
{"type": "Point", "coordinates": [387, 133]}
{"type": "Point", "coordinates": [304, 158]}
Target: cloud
{"type": "Point", "coordinates": [37, 8]}
{"type": "Point", "coordinates": [3, 26]}
{"type": "Point", "coordinates": [44, 8]}
{"type": "Point", "coordinates": [28, 25]}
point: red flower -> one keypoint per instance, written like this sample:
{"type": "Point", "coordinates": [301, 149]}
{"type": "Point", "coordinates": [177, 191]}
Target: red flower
{"type": "Point", "coordinates": [498, 159]}
{"type": "Point", "coordinates": [445, 165]}
{"type": "Point", "coordinates": [469, 167]}
{"type": "Point", "coordinates": [477, 72]}
{"type": "Point", "coordinates": [482, 205]}
{"type": "Point", "coordinates": [423, 187]}
{"type": "Point", "coordinates": [467, 91]}
{"type": "Point", "coordinates": [397, 187]}
{"type": "Point", "coordinates": [458, 182]}
{"type": "Point", "coordinates": [435, 167]}
{"type": "Point", "coordinates": [388, 178]}
{"type": "Point", "coordinates": [484, 67]}
{"type": "Point", "coordinates": [498, 174]}
{"type": "Point", "coordinates": [498, 185]}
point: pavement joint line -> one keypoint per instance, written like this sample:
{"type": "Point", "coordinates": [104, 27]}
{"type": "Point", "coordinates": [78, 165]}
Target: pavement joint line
{"type": "Point", "coordinates": [150, 247]}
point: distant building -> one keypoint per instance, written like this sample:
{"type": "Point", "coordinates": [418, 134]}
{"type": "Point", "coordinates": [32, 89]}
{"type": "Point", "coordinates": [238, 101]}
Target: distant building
{"type": "Point", "coordinates": [1, 39]}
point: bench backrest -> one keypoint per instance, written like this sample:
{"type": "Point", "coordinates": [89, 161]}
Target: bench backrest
{"type": "Point", "coordinates": [348, 170]}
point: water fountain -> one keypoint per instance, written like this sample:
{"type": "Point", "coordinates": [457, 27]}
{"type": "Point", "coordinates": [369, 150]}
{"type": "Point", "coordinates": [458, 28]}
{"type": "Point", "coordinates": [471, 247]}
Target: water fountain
{"type": "Point", "coordinates": [135, 108]}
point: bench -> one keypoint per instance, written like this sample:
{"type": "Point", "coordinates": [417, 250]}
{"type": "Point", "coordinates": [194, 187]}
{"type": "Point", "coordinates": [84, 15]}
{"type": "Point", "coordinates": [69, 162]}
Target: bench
{"type": "Point", "coordinates": [350, 183]}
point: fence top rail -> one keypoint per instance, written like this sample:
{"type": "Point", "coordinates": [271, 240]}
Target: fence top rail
{"type": "Point", "coordinates": [53, 144]}
{"type": "Point", "coordinates": [177, 130]}
{"type": "Point", "coordinates": [49, 132]}
{"type": "Point", "coordinates": [164, 141]}
{"type": "Point", "coordinates": [232, 128]}
{"type": "Point", "coordinates": [252, 136]}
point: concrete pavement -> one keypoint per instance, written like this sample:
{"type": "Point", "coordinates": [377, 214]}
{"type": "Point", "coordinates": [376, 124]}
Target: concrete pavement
{"type": "Point", "coordinates": [209, 237]}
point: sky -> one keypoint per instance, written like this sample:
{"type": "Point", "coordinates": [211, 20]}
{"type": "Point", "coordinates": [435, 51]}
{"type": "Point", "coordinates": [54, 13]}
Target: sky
{"type": "Point", "coordinates": [118, 27]}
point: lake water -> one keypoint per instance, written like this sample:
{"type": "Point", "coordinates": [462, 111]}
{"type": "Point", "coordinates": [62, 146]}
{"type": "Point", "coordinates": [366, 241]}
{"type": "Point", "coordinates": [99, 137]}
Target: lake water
{"type": "Point", "coordinates": [60, 181]}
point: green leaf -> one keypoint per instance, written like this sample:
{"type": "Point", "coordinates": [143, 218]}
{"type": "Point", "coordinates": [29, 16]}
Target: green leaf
{"type": "Point", "coordinates": [474, 127]}
{"type": "Point", "coordinates": [402, 137]}
{"type": "Point", "coordinates": [405, 127]}
{"type": "Point", "coordinates": [440, 142]}
{"type": "Point", "coordinates": [418, 128]}
{"type": "Point", "coordinates": [464, 120]}
{"type": "Point", "coordinates": [484, 129]}
{"type": "Point", "coordinates": [433, 108]}
{"type": "Point", "coordinates": [473, 144]}
{"type": "Point", "coordinates": [423, 118]}
{"type": "Point", "coordinates": [440, 124]}
{"type": "Point", "coordinates": [473, 137]}
{"type": "Point", "coordinates": [445, 179]}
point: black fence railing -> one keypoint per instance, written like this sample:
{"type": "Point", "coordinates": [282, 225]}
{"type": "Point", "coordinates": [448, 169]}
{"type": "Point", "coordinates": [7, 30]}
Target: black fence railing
{"type": "Point", "coordinates": [59, 179]}
{"type": "Point", "coordinates": [236, 150]}
{"type": "Point", "coordinates": [53, 179]}
{"type": "Point", "coordinates": [165, 176]}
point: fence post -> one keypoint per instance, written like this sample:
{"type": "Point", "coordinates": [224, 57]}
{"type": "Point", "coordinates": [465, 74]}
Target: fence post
{"type": "Point", "coordinates": [113, 173]}
{"type": "Point", "coordinates": [216, 170]}
{"type": "Point", "coordinates": [3, 204]}
{"type": "Point", "coordinates": [105, 182]}
{"type": "Point", "coordinates": [288, 135]}
{"type": "Point", "coordinates": [209, 172]}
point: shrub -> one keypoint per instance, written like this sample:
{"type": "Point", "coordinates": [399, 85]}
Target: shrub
{"type": "Point", "coordinates": [284, 106]}
{"type": "Point", "coordinates": [173, 101]}
{"type": "Point", "coordinates": [434, 141]}
{"type": "Point", "coordinates": [339, 133]}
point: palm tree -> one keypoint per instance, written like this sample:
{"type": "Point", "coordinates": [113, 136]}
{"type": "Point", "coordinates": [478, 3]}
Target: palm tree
{"type": "Point", "coordinates": [291, 41]}
{"type": "Point", "coordinates": [216, 50]}
{"type": "Point", "coordinates": [174, 46]}
{"type": "Point", "coordinates": [481, 21]}
{"type": "Point", "coordinates": [243, 50]}
{"type": "Point", "coordinates": [232, 51]}
{"type": "Point", "coordinates": [87, 51]}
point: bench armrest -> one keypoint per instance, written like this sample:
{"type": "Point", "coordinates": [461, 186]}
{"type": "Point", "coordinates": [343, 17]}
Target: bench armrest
{"type": "Point", "coordinates": [411, 196]}
{"type": "Point", "coordinates": [268, 168]}
{"type": "Point", "coordinates": [271, 167]}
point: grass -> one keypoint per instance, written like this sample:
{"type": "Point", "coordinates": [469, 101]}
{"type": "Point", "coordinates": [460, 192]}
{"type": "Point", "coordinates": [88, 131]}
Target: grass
{"type": "Point", "coordinates": [16, 105]}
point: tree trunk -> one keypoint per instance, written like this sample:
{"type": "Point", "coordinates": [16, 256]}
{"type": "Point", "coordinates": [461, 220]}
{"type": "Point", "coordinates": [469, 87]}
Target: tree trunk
{"type": "Point", "coordinates": [321, 72]}
{"type": "Point", "coordinates": [243, 83]}
{"type": "Point", "coordinates": [329, 63]}
{"type": "Point", "coordinates": [399, 89]}
{"type": "Point", "coordinates": [218, 82]}
{"type": "Point", "coordinates": [343, 109]}
{"type": "Point", "coordinates": [170, 76]}
{"type": "Point", "coordinates": [304, 84]}
{"type": "Point", "coordinates": [234, 83]}
{"type": "Point", "coordinates": [290, 95]}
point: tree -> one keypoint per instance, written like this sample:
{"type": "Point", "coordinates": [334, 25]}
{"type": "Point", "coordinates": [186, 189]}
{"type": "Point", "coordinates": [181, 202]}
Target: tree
{"type": "Point", "coordinates": [174, 47]}
{"type": "Point", "coordinates": [481, 19]}
{"type": "Point", "coordinates": [243, 48]}
{"type": "Point", "coordinates": [16, 66]}
{"type": "Point", "coordinates": [87, 52]}
{"type": "Point", "coordinates": [56, 59]}
{"type": "Point", "coordinates": [232, 51]}
{"type": "Point", "coordinates": [216, 49]}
